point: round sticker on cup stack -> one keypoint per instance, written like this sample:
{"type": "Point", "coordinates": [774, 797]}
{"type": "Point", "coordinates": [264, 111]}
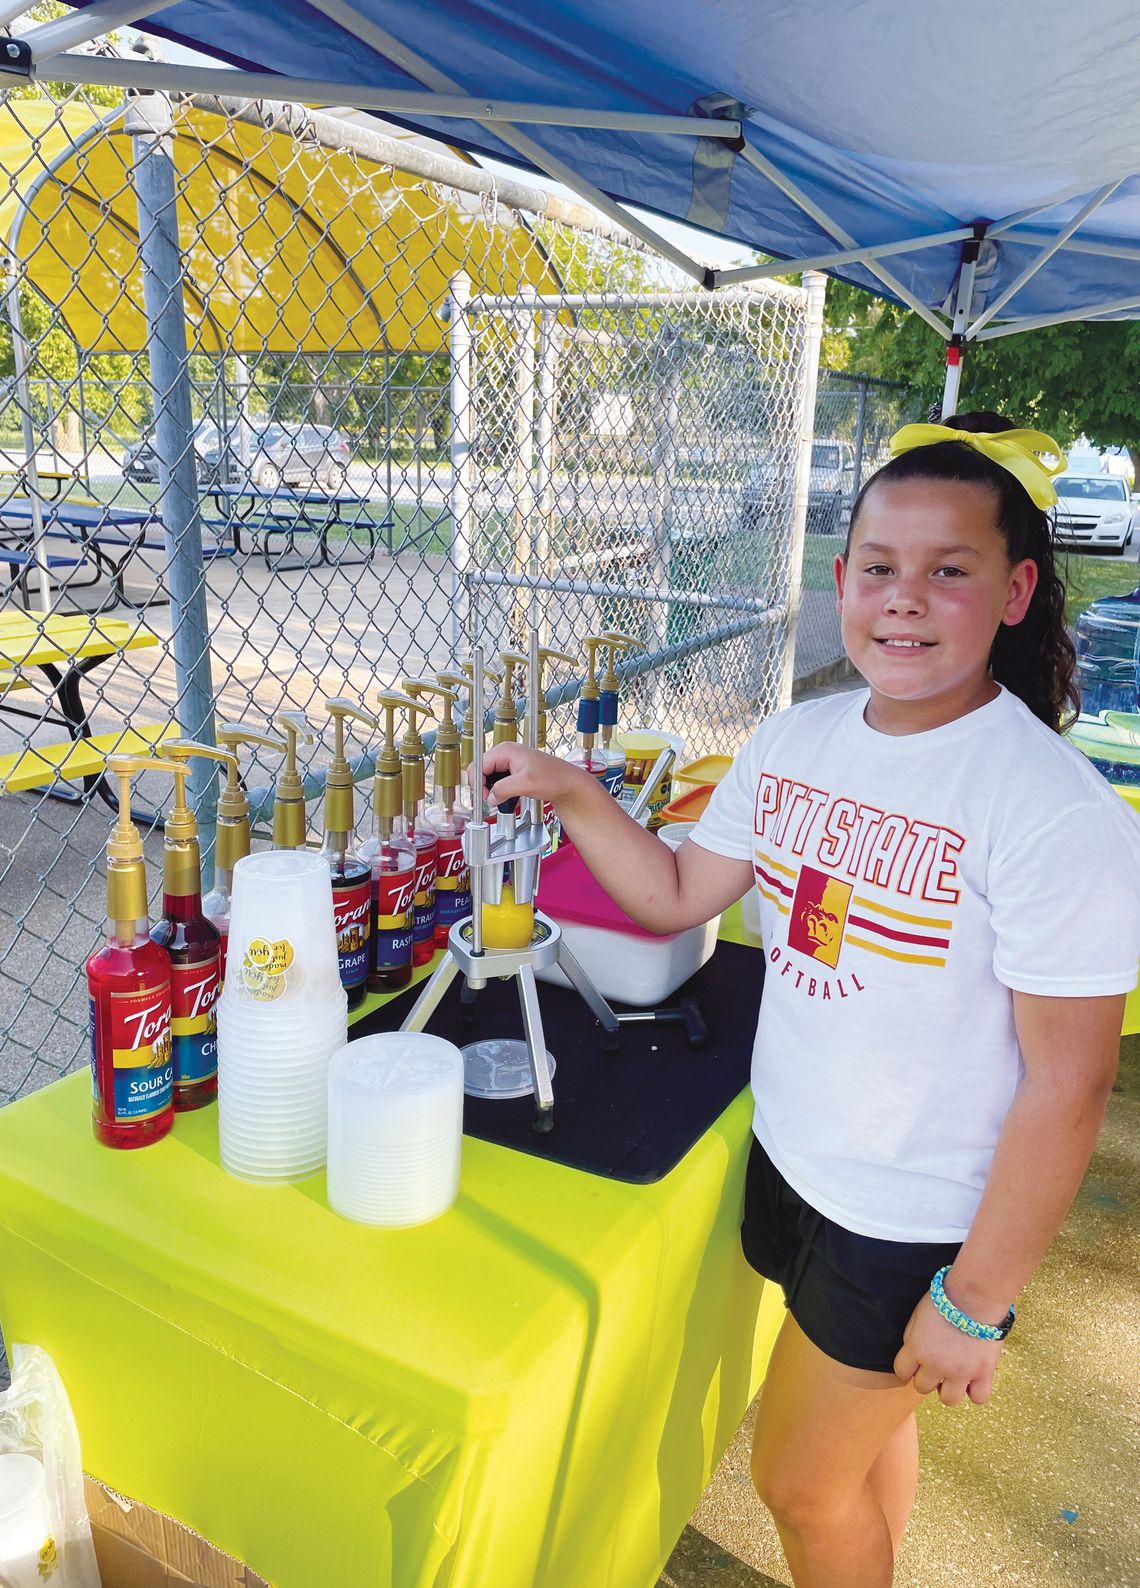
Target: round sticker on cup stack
{"type": "Point", "coordinates": [265, 966]}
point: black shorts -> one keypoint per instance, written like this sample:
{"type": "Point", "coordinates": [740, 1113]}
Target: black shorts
{"type": "Point", "coordinates": [852, 1295]}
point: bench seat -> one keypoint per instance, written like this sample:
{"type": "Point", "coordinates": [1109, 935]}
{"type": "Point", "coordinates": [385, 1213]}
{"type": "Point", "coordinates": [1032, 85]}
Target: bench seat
{"type": "Point", "coordinates": [40, 766]}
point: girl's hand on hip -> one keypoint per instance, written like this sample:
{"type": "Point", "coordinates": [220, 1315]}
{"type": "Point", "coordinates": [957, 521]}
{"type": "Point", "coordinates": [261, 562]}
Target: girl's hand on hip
{"type": "Point", "coordinates": [937, 1356]}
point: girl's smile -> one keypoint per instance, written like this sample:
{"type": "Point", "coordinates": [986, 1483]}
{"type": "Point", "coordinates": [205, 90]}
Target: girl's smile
{"type": "Point", "coordinates": [922, 591]}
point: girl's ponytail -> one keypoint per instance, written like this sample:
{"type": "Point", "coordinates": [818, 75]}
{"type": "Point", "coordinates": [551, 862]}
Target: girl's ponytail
{"type": "Point", "coordinates": [1033, 659]}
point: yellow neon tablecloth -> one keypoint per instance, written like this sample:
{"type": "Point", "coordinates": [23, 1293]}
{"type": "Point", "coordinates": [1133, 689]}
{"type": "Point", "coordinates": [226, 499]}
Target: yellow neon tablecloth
{"type": "Point", "coordinates": [533, 1389]}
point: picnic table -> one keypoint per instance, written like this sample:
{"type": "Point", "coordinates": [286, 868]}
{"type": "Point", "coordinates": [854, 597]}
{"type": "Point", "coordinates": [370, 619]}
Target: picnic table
{"type": "Point", "coordinates": [65, 649]}
{"type": "Point", "coordinates": [91, 528]}
{"type": "Point", "coordinates": [287, 513]}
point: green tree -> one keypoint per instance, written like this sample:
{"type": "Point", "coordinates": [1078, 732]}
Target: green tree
{"type": "Point", "coordinates": [1066, 379]}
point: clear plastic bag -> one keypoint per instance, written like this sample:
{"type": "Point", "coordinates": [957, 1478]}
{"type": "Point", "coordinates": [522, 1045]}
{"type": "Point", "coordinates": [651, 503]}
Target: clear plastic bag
{"type": "Point", "coordinates": [36, 1421]}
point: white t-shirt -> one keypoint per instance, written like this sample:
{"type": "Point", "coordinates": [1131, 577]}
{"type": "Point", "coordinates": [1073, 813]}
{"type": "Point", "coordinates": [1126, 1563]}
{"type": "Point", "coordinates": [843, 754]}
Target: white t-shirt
{"type": "Point", "coordinates": [906, 885]}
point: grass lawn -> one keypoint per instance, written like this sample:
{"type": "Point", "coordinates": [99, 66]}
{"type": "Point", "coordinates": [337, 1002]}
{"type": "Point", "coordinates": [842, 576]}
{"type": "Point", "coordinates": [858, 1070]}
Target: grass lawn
{"type": "Point", "coordinates": [1086, 578]}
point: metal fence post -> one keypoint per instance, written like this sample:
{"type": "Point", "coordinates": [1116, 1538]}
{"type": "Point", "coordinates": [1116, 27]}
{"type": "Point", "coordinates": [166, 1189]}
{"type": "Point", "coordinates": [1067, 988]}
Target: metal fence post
{"type": "Point", "coordinates": [462, 428]}
{"type": "Point", "coordinates": [816, 284]}
{"type": "Point", "coordinates": [860, 437]}
{"type": "Point", "coordinates": [149, 120]}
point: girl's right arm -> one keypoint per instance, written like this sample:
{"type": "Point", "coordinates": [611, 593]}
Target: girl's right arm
{"type": "Point", "coordinates": [662, 890]}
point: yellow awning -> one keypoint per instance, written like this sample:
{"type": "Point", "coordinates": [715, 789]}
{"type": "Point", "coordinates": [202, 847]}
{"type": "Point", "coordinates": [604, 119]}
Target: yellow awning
{"type": "Point", "coordinates": [287, 246]}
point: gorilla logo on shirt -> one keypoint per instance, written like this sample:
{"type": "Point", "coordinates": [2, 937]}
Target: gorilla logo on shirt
{"type": "Point", "coordinates": [818, 915]}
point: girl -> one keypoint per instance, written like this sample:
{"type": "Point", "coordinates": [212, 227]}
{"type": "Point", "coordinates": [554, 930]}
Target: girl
{"type": "Point", "coordinates": [949, 905]}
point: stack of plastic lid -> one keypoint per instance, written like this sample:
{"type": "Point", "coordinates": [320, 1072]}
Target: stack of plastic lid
{"type": "Point", "coordinates": [282, 1015]}
{"type": "Point", "coordinates": [1108, 649]}
{"type": "Point", "coordinates": [395, 1128]}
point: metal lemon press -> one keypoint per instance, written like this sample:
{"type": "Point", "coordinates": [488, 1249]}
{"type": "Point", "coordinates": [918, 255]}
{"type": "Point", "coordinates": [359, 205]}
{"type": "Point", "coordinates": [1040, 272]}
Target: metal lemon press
{"type": "Point", "coordinates": [505, 936]}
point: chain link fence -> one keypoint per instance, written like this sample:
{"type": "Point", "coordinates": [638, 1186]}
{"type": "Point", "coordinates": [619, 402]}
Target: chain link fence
{"type": "Point", "coordinates": [291, 409]}
{"type": "Point", "coordinates": [855, 417]}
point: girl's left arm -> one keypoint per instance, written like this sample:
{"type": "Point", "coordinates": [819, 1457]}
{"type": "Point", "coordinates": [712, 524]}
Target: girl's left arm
{"type": "Point", "coordinates": [1070, 1048]}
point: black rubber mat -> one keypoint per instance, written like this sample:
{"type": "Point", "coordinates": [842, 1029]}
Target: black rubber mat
{"type": "Point", "coordinates": [630, 1115]}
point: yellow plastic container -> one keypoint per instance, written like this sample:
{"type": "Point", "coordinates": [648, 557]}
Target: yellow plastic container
{"type": "Point", "coordinates": [694, 774]}
{"type": "Point", "coordinates": [642, 746]}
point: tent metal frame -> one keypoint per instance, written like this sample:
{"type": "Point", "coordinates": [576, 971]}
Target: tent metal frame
{"type": "Point", "coordinates": [46, 50]}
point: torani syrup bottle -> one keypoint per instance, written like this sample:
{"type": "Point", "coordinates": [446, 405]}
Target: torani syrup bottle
{"type": "Point", "coordinates": [449, 814]}
{"type": "Point", "coordinates": [392, 862]}
{"type": "Point", "coordinates": [128, 983]}
{"type": "Point", "coordinates": [412, 824]}
{"type": "Point", "coordinates": [351, 874]}
{"type": "Point", "coordinates": [231, 839]}
{"type": "Point", "coordinates": [193, 943]}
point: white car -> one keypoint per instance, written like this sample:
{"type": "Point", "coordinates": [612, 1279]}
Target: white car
{"type": "Point", "coordinates": [1094, 511]}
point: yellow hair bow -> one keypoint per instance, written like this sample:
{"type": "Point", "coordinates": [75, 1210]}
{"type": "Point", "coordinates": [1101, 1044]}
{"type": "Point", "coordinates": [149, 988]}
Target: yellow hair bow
{"type": "Point", "coordinates": [1017, 451]}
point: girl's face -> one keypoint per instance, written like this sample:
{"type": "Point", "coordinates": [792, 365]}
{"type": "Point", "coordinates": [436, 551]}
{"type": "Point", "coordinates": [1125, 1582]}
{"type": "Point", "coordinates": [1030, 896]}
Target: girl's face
{"type": "Point", "coordinates": [921, 594]}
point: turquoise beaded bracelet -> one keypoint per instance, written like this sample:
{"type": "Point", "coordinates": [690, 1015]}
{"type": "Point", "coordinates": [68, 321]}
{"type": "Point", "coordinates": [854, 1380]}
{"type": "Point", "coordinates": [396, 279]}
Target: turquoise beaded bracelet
{"type": "Point", "coordinates": [960, 1320]}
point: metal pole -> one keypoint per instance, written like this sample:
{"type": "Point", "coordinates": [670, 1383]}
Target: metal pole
{"type": "Point", "coordinates": [31, 472]}
{"type": "Point", "coordinates": [549, 338]}
{"type": "Point", "coordinates": [462, 427]}
{"type": "Point", "coordinates": [148, 121]}
{"type": "Point", "coordinates": [664, 458]}
{"type": "Point", "coordinates": [962, 304]}
{"type": "Point", "coordinates": [860, 438]}
{"type": "Point", "coordinates": [526, 616]}
{"type": "Point", "coordinates": [816, 285]}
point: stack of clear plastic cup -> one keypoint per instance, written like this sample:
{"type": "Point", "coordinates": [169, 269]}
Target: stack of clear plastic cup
{"type": "Point", "coordinates": [282, 1015]}
{"type": "Point", "coordinates": [25, 1525]}
{"type": "Point", "coordinates": [395, 1128]}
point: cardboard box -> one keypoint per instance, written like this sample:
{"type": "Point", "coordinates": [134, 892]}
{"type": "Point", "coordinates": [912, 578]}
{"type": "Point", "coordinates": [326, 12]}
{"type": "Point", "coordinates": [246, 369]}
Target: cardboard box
{"type": "Point", "coordinates": [140, 1548]}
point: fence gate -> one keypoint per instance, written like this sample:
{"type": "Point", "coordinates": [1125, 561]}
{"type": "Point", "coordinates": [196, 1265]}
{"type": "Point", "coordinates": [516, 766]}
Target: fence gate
{"type": "Point", "coordinates": [288, 406]}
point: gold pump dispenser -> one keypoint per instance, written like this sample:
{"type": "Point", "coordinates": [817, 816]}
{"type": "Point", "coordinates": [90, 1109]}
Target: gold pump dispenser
{"type": "Point", "coordinates": [614, 775]}
{"type": "Point", "coordinates": [446, 817]}
{"type": "Point", "coordinates": [289, 792]}
{"type": "Point", "coordinates": [193, 942]}
{"type": "Point", "coordinates": [546, 653]}
{"type": "Point", "coordinates": [232, 841]}
{"type": "Point", "coordinates": [339, 814]}
{"type": "Point", "coordinates": [467, 731]}
{"type": "Point", "coordinates": [506, 712]}
{"type": "Point", "coordinates": [413, 825]}
{"type": "Point", "coordinates": [351, 873]}
{"type": "Point", "coordinates": [126, 863]}
{"type": "Point", "coordinates": [181, 861]}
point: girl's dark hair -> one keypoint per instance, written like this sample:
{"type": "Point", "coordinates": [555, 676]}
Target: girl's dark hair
{"type": "Point", "coordinates": [1035, 658]}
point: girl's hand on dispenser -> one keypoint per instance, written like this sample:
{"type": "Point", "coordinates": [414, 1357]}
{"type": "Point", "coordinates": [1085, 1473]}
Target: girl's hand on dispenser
{"type": "Point", "coordinates": [531, 774]}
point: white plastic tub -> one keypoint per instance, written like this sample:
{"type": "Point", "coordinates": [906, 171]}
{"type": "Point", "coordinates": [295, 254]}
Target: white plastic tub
{"type": "Point", "coordinates": [624, 962]}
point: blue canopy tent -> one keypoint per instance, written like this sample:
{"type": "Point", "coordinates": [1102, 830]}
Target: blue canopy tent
{"type": "Point", "coordinates": [977, 164]}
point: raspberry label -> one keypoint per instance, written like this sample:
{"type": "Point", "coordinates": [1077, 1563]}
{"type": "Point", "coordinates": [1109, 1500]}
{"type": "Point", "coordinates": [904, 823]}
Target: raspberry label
{"type": "Point", "coordinates": [452, 884]}
{"type": "Point", "coordinates": [352, 909]}
{"type": "Point", "coordinates": [140, 1052]}
{"type": "Point", "coordinates": [393, 903]}
{"type": "Point", "coordinates": [194, 993]}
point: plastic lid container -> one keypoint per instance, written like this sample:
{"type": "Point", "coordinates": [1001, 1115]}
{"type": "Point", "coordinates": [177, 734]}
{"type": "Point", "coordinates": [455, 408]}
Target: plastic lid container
{"type": "Point", "coordinates": [708, 769]}
{"type": "Point", "coordinates": [395, 1129]}
{"type": "Point", "coordinates": [675, 833]}
{"type": "Point", "coordinates": [1109, 629]}
{"type": "Point", "coordinates": [688, 807]}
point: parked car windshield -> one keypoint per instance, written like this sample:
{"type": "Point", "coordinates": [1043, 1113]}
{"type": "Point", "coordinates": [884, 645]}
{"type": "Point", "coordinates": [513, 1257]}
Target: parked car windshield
{"type": "Point", "coordinates": [1086, 489]}
{"type": "Point", "coordinates": [824, 457]}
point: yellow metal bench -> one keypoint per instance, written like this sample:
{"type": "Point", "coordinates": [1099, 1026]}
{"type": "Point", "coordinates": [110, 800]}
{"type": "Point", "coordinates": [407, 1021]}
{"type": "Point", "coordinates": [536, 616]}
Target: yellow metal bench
{"type": "Point", "coordinates": [39, 766]}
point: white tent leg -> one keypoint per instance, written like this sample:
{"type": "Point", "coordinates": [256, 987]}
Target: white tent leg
{"type": "Point", "coordinates": [962, 304]}
{"type": "Point", "coordinates": [31, 472]}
